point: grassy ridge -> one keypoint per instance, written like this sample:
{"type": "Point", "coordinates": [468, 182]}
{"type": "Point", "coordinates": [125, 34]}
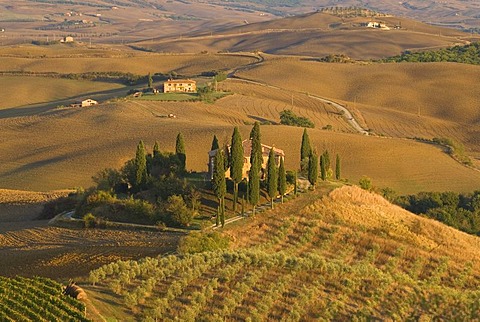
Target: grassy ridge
{"type": "Point", "coordinates": [351, 254]}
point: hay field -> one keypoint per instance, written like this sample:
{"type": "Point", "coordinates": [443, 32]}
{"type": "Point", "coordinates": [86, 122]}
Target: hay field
{"type": "Point", "coordinates": [63, 148]}
{"type": "Point", "coordinates": [142, 64]}
{"type": "Point", "coordinates": [23, 90]}
{"type": "Point", "coordinates": [390, 97]}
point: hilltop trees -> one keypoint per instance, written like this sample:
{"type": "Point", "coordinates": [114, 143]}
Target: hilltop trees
{"type": "Point", "coordinates": [236, 163]}
{"type": "Point", "coordinates": [219, 185]}
{"type": "Point", "coordinates": [305, 151]}
{"type": "Point", "coordinates": [180, 151]}
{"type": "Point", "coordinates": [272, 177]}
{"type": "Point", "coordinates": [287, 117]}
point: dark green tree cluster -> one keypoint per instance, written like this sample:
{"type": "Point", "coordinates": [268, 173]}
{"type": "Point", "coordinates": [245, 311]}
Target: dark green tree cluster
{"type": "Point", "coordinates": [147, 189]}
{"type": "Point", "coordinates": [287, 117]}
{"type": "Point", "coordinates": [468, 54]}
{"type": "Point", "coordinates": [461, 211]}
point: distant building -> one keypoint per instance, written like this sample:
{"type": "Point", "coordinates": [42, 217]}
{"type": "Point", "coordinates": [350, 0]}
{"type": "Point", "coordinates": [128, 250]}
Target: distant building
{"type": "Point", "coordinates": [67, 39]}
{"type": "Point", "coordinates": [89, 102]}
{"type": "Point", "coordinates": [374, 24]}
{"type": "Point", "coordinates": [180, 86]}
{"type": "Point", "coordinates": [247, 149]}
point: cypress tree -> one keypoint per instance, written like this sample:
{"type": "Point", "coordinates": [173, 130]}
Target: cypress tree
{"type": "Point", "coordinates": [215, 144]}
{"type": "Point", "coordinates": [254, 185]}
{"type": "Point", "coordinates": [140, 166]}
{"type": "Point", "coordinates": [323, 168]}
{"type": "Point", "coordinates": [313, 169]}
{"type": "Point", "coordinates": [337, 168]}
{"type": "Point", "coordinates": [295, 190]}
{"type": "Point", "coordinates": [326, 157]}
{"type": "Point", "coordinates": [156, 149]}
{"type": "Point", "coordinates": [150, 80]}
{"type": "Point", "coordinates": [272, 177]}
{"type": "Point", "coordinates": [256, 157]}
{"type": "Point", "coordinates": [219, 184]}
{"type": "Point", "coordinates": [236, 163]}
{"type": "Point", "coordinates": [180, 151]}
{"type": "Point", "coordinates": [305, 151]}
{"type": "Point", "coordinates": [282, 179]}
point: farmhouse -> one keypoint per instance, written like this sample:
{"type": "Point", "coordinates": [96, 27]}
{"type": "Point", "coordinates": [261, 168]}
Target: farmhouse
{"type": "Point", "coordinates": [379, 25]}
{"type": "Point", "coordinates": [85, 103]}
{"type": "Point", "coordinates": [180, 86]}
{"type": "Point", "coordinates": [67, 39]}
{"type": "Point", "coordinates": [247, 148]}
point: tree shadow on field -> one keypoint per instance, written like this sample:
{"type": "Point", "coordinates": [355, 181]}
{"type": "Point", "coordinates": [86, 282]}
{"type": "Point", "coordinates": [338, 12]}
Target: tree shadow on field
{"type": "Point", "coordinates": [34, 165]}
{"type": "Point", "coordinates": [262, 120]}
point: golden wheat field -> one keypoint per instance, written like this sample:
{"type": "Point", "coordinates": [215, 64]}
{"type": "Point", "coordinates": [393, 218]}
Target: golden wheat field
{"type": "Point", "coordinates": [400, 100]}
{"type": "Point", "coordinates": [72, 144]}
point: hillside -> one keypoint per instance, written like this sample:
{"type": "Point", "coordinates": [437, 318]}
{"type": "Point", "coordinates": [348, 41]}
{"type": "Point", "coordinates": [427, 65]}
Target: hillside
{"type": "Point", "coordinates": [316, 34]}
{"type": "Point", "coordinates": [442, 102]}
{"type": "Point", "coordinates": [348, 254]}
{"type": "Point", "coordinates": [106, 136]}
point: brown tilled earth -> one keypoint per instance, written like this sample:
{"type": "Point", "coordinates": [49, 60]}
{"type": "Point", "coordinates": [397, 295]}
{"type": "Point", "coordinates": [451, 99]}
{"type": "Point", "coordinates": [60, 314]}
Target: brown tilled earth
{"type": "Point", "coordinates": [30, 247]}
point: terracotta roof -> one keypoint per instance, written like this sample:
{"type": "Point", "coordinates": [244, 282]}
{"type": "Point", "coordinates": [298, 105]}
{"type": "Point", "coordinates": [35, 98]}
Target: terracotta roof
{"type": "Point", "coordinates": [177, 81]}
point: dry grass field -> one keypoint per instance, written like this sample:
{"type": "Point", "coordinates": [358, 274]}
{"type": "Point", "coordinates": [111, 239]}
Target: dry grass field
{"type": "Point", "coordinates": [317, 35]}
{"type": "Point", "coordinates": [399, 100]}
{"type": "Point", "coordinates": [106, 136]}
{"type": "Point", "coordinates": [118, 61]}
{"type": "Point", "coordinates": [23, 90]}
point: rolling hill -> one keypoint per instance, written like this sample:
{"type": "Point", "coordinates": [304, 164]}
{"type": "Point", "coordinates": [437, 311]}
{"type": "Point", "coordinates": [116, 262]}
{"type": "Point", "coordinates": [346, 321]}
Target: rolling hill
{"type": "Point", "coordinates": [71, 145]}
{"type": "Point", "coordinates": [316, 34]}
{"type": "Point", "coordinates": [348, 254]}
{"type": "Point", "coordinates": [442, 102]}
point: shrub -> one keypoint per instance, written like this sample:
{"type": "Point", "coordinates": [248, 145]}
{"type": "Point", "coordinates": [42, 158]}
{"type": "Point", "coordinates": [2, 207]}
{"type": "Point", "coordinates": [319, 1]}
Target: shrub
{"type": "Point", "coordinates": [89, 221]}
{"type": "Point", "coordinates": [198, 242]}
{"type": "Point", "coordinates": [287, 117]}
{"type": "Point", "coordinates": [178, 213]}
{"type": "Point", "coordinates": [366, 183]}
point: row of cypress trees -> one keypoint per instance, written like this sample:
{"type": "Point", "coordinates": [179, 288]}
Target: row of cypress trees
{"type": "Point", "coordinates": [309, 162]}
{"type": "Point", "coordinates": [233, 159]}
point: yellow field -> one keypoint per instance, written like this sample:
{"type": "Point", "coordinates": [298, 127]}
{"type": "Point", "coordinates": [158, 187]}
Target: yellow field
{"type": "Point", "coordinates": [23, 90]}
{"type": "Point", "coordinates": [71, 145]}
{"type": "Point", "coordinates": [400, 100]}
